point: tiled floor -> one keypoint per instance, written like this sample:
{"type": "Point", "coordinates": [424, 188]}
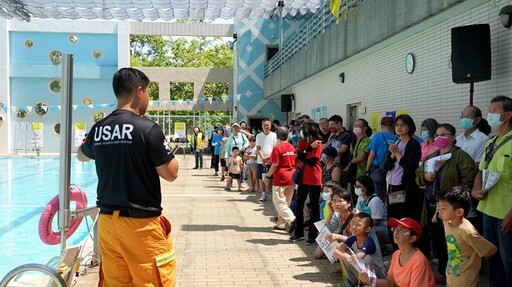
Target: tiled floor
{"type": "Point", "coordinates": [226, 239]}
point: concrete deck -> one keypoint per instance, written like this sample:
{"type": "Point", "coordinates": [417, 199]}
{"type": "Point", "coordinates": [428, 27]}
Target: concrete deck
{"type": "Point", "coordinates": [226, 238]}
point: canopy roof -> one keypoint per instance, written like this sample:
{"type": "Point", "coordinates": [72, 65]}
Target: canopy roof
{"type": "Point", "coordinates": [153, 10]}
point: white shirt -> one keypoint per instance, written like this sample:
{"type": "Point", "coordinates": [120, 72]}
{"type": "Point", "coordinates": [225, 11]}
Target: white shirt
{"type": "Point", "coordinates": [473, 145]}
{"type": "Point", "coordinates": [266, 143]}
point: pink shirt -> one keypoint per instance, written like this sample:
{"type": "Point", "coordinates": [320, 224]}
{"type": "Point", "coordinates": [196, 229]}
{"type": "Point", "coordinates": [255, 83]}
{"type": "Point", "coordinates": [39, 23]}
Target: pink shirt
{"type": "Point", "coordinates": [416, 273]}
{"type": "Point", "coordinates": [426, 149]}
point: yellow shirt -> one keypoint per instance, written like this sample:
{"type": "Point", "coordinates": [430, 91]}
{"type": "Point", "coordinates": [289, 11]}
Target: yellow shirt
{"type": "Point", "coordinates": [465, 249]}
{"type": "Point", "coordinates": [498, 201]}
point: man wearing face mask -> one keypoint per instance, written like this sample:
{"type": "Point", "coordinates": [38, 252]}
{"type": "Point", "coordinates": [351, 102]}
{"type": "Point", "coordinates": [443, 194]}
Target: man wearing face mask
{"type": "Point", "coordinates": [496, 202]}
{"type": "Point", "coordinates": [472, 141]}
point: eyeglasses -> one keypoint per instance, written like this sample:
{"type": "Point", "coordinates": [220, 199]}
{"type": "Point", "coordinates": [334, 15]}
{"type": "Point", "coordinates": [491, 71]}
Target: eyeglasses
{"type": "Point", "coordinates": [400, 229]}
{"type": "Point", "coordinates": [463, 116]}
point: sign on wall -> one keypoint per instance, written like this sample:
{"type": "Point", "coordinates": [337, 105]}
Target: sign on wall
{"type": "Point", "coordinates": [80, 131]}
{"type": "Point", "coordinates": [179, 130]}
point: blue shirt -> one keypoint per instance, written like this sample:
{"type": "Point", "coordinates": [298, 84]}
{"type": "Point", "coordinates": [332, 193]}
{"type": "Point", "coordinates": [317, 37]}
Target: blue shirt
{"type": "Point", "coordinates": [368, 247]}
{"type": "Point", "coordinates": [217, 141]}
{"type": "Point", "coordinates": [379, 146]}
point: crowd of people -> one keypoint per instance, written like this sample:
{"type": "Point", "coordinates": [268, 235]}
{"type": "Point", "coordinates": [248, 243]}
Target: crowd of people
{"type": "Point", "coordinates": [423, 195]}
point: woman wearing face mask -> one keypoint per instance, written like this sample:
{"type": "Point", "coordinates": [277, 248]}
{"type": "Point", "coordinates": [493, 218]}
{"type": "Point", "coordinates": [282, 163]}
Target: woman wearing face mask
{"type": "Point", "coordinates": [357, 166]}
{"type": "Point", "coordinates": [428, 130]}
{"type": "Point", "coordinates": [458, 170]}
{"type": "Point", "coordinates": [368, 202]}
{"type": "Point", "coordinates": [309, 152]}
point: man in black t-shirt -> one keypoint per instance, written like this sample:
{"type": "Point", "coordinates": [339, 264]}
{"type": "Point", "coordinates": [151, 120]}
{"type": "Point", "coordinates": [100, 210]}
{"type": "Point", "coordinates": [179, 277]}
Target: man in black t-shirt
{"type": "Point", "coordinates": [131, 153]}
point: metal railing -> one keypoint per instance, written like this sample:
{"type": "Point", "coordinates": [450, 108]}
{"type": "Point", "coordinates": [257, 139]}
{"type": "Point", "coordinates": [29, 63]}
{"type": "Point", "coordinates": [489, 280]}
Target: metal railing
{"type": "Point", "coordinates": [16, 272]}
{"type": "Point", "coordinates": [315, 26]}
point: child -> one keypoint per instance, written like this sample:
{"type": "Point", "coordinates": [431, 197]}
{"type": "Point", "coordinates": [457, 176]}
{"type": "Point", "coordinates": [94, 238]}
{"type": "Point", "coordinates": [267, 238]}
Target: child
{"type": "Point", "coordinates": [235, 166]}
{"type": "Point", "coordinates": [339, 215]}
{"type": "Point", "coordinates": [363, 246]}
{"type": "Point", "coordinates": [465, 245]}
{"type": "Point", "coordinates": [222, 156]}
{"type": "Point", "coordinates": [252, 167]}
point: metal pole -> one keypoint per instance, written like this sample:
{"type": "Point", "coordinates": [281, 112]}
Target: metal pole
{"type": "Point", "coordinates": [471, 91]}
{"type": "Point", "coordinates": [65, 147]}
{"type": "Point", "coordinates": [280, 4]}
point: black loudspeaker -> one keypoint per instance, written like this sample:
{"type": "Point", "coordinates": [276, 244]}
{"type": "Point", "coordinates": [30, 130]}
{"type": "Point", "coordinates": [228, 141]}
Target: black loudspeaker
{"type": "Point", "coordinates": [471, 53]}
{"type": "Point", "coordinates": [286, 103]}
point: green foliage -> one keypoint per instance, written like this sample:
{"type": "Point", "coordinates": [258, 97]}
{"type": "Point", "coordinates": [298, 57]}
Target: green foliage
{"type": "Point", "coordinates": [198, 52]}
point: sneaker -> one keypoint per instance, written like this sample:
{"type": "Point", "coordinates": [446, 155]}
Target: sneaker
{"type": "Point", "coordinates": [276, 227]}
{"type": "Point", "coordinates": [222, 178]}
{"type": "Point", "coordinates": [440, 279]}
{"type": "Point", "coordinates": [201, 168]}
{"type": "Point", "coordinates": [310, 242]}
{"type": "Point", "coordinates": [227, 188]}
{"type": "Point", "coordinates": [215, 174]}
{"type": "Point", "coordinates": [195, 167]}
{"type": "Point", "coordinates": [296, 238]}
{"type": "Point", "coordinates": [263, 197]}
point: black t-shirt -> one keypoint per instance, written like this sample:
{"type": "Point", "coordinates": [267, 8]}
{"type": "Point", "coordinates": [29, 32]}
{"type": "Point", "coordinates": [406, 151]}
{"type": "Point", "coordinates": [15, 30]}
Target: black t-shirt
{"type": "Point", "coordinates": [344, 138]}
{"type": "Point", "coordinates": [127, 148]}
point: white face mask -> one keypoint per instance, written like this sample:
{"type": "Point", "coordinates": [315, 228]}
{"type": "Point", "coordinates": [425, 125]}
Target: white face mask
{"type": "Point", "coordinates": [326, 196]}
{"type": "Point", "coordinates": [358, 191]}
{"type": "Point", "coordinates": [494, 120]}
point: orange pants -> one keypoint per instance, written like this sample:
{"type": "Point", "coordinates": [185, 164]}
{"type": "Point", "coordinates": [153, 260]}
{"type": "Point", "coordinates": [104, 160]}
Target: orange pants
{"type": "Point", "coordinates": [136, 251]}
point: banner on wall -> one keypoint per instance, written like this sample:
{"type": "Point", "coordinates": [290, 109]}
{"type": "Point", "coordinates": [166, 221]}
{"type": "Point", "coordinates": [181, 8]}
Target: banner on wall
{"type": "Point", "coordinates": [179, 130]}
{"type": "Point", "coordinates": [402, 112]}
{"type": "Point", "coordinates": [374, 122]}
{"type": "Point", "coordinates": [37, 135]}
{"type": "Point", "coordinates": [80, 131]}
{"type": "Point", "coordinates": [391, 114]}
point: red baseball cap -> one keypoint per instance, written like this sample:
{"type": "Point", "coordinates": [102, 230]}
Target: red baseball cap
{"type": "Point", "coordinates": [387, 121]}
{"type": "Point", "coordinates": [408, 223]}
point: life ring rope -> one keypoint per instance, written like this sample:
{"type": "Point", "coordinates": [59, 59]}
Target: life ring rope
{"type": "Point", "coordinates": [46, 232]}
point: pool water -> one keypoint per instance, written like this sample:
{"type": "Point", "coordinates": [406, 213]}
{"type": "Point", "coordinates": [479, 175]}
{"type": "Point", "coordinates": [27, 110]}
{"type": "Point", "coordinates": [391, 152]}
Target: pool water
{"type": "Point", "coordinates": [26, 187]}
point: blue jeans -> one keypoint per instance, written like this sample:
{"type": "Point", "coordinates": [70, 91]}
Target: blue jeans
{"type": "Point", "coordinates": [199, 158]}
{"type": "Point", "coordinates": [379, 181]}
{"type": "Point", "coordinates": [500, 264]}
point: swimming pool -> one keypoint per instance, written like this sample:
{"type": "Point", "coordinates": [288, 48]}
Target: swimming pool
{"type": "Point", "coordinates": [26, 186]}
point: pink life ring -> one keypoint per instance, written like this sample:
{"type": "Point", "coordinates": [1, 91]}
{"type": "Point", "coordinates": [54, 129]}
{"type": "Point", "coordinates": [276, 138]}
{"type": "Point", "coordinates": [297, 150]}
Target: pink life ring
{"type": "Point", "coordinates": [46, 233]}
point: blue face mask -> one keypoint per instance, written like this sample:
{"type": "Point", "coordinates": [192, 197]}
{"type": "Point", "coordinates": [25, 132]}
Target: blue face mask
{"type": "Point", "coordinates": [494, 120]}
{"type": "Point", "coordinates": [466, 123]}
{"type": "Point", "coordinates": [324, 158]}
{"type": "Point", "coordinates": [425, 135]}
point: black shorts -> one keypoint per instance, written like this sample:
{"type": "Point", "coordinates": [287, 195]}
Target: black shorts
{"type": "Point", "coordinates": [234, 175]}
{"type": "Point", "coordinates": [222, 162]}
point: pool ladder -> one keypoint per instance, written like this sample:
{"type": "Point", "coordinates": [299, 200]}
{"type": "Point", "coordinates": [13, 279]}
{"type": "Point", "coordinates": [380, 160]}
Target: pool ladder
{"type": "Point", "coordinates": [18, 272]}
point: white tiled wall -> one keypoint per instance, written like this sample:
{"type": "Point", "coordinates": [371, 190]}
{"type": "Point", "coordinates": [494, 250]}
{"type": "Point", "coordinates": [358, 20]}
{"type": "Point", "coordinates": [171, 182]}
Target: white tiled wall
{"type": "Point", "coordinates": [380, 82]}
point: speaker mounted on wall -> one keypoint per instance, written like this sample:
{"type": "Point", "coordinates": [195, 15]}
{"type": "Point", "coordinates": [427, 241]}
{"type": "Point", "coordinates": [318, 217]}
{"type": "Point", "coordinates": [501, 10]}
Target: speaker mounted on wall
{"type": "Point", "coordinates": [286, 103]}
{"type": "Point", "coordinates": [471, 53]}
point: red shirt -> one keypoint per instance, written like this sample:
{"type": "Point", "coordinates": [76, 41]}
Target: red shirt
{"type": "Point", "coordinates": [312, 174]}
{"type": "Point", "coordinates": [283, 155]}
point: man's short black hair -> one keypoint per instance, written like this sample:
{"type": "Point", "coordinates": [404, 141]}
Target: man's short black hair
{"type": "Point", "coordinates": [507, 102]}
{"type": "Point", "coordinates": [458, 197]}
{"type": "Point", "coordinates": [336, 119]}
{"type": "Point", "coordinates": [368, 221]}
{"type": "Point", "coordinates": [127, 80]}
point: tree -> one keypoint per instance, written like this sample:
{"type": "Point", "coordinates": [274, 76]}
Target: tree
{"type": "Point", "coordinates": [198, 52]}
